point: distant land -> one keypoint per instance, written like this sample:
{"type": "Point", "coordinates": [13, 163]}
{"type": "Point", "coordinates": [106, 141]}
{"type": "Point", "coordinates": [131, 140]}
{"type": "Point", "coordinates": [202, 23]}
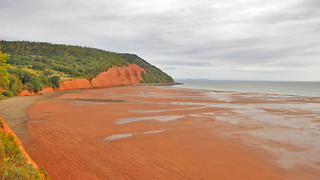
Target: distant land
{"type": "Point", "coordinates": [243, 80]}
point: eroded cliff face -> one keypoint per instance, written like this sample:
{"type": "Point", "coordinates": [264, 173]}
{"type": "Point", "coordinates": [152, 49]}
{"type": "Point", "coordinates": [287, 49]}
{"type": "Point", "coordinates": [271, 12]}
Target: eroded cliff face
{"type": "Point", "coordinates": [115, 76]}
{"type": "Point", "coordinates": [75, 84]}
{"type": "Point", "coordinates": [118, 76]}
{"type": "Point", "coordinates": [26, 92]}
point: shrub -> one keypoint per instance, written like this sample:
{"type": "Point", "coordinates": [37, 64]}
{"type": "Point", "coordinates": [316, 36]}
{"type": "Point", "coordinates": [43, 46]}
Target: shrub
{"type": "Point", "coordinates": [36, 82]}
{"type": "Point", "coordinates": [29, 87]}
{"type": "Point", "coordinates": [55, 80]}
{"type": "Point", "coordinates": [48, 73]}
{"type": "Point", "coordinates": [8, 93]}
{"type": "Point", "coordinates": [44, 80]}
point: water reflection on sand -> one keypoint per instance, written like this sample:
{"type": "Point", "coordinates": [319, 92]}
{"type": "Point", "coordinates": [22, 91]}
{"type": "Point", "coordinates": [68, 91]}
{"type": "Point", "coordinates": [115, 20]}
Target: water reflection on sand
{"type": "Point", "coordinates": [158, 118]}
{"type": "Point", "coordinates": [290, 120]}
{"type": "Point", "coordinates": [119, 136]}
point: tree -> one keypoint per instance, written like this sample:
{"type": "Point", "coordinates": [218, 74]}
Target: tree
{"type": "Point", "coordinates": [36, 82]}
{"type": "Point", "coordinates": [48, 73]}
{"type": "Point", "coordinates": [29, 87]}
{"type": "Point", "coordinates": [4, 75]}
{"type": "Point", "coordinates": [55, 80]}
{"type": "Point", "coordinates": [15, 84]}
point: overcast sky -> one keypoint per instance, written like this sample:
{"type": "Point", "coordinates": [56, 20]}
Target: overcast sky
{"type": "Point", "coordinates": [214, 39]}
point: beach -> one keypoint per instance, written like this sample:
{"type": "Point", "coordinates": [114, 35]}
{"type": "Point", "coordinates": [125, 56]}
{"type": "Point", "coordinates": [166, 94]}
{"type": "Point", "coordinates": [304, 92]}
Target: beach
{"type": "Point", "coordinates": [144, 132]}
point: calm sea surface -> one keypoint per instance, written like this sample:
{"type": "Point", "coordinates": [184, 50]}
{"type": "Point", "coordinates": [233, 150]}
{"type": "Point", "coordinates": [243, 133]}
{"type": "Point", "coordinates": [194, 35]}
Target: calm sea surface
{"type": "Point", "coordinates": [278, 87]}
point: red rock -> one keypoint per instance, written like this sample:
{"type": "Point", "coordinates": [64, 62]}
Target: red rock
{"type": "Point", "coordinates": [75, 84]}
{"type": "Point", "coordinates": [118, 76]}
{"type": "Point", "coordinates": [26, 92]}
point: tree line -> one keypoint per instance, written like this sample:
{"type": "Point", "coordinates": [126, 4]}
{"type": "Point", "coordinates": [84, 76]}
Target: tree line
{"type": "Point", "coordinates": [13, 80]}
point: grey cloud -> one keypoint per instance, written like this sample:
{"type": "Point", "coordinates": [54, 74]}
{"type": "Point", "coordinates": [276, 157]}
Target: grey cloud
{"type": "Point", "coordinates": [185, 63]}
{"type": "Point", "coordinates": [169, 68]}
{"type": "Point", "coordinates": [178, 35]}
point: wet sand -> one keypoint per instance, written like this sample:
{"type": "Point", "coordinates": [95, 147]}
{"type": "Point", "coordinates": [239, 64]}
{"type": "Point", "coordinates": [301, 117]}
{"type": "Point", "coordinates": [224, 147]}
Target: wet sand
{"type": "Point", "coordinates": [138, 132]}
{"type": "Point", "coordinates": [14, 111]}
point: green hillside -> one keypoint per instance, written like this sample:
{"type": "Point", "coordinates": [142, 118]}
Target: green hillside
{"type": "Point", "coordinates": [35, 65]}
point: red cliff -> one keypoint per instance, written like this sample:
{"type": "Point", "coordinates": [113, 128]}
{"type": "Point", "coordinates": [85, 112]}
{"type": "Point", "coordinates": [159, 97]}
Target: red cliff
{"type": "Point", "coordinates": [26, 92]}
{"type": "Point", "coordinates": [75, 84]}
{"type": "Point", "coordinates": [118, 76]}
{"type": "Point", "coordinates": [115, 76]}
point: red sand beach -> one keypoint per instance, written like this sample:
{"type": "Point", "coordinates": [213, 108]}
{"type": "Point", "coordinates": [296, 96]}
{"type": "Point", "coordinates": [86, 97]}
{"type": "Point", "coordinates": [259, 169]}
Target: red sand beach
{"type": "Point", "coordinates": [139, 132]}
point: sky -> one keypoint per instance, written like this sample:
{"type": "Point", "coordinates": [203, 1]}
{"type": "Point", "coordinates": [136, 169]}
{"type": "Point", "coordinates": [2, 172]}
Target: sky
{"type": "Point", "coordinates": [213, 39]}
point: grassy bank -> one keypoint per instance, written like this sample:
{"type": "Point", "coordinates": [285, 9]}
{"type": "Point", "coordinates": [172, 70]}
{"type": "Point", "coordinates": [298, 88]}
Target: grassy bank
{"type": "Point", "coordinates": [13, 164]}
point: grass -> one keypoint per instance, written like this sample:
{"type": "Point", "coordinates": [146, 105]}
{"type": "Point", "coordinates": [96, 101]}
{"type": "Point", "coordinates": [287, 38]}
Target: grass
{"type": "Point", "coordinates": [13, 164]}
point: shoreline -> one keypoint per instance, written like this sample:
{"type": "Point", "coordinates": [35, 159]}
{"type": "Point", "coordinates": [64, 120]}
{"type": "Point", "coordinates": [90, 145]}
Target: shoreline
{"type": "Point", "coordinates": [14, 110]}
{"type": "Point", "coordinates": [259, 87]}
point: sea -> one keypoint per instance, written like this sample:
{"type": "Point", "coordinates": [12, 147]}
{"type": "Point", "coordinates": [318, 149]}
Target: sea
{"type": "Point", "coordinates": [304, 88]}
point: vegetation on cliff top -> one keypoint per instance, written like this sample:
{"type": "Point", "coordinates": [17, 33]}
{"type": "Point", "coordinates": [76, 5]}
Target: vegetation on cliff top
{"type": "Point", "coordinates": [37, 65]}
{"type": "Point", "coordinates": [75, 61]}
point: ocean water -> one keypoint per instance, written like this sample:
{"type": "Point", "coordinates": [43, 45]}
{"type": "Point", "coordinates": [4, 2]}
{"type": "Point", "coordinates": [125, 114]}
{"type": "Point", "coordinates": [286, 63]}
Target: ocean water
{"type": "Point", "coordinates": [274, 87]}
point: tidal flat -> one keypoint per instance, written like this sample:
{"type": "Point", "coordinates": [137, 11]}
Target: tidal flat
{"type": "Point", "coordinates": [175, 133]}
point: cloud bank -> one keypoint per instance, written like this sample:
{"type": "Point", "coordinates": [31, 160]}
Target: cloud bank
{"type": "Point", "coordinates": [235, 39]}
